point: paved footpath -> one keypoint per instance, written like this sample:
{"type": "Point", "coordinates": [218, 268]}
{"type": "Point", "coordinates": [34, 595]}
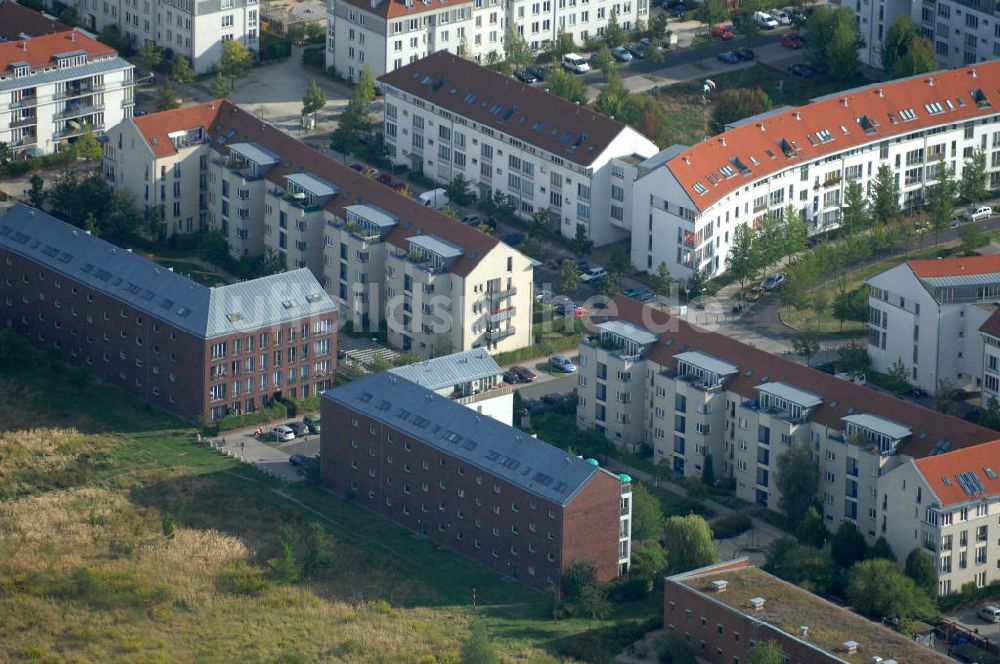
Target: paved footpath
{"type": "Point", "coordinates": [241, 444]}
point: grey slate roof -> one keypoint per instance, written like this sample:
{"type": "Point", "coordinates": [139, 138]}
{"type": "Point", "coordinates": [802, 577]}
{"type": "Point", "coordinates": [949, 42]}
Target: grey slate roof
{"type": "Point", "coordinates": [89, 69]}
{"type": "Point", "coordinates": [437, 245]}
{"type": "Point", "coordinates": [482, 441]}
{"type": "Point", "coordinates": [175, 299]}
{"type": "Point", "coordinates": [449, 370]}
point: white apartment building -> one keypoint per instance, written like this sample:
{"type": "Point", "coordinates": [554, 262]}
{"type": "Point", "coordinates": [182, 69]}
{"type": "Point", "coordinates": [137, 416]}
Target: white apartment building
{"type": "Point", "coordinates": [388, 34]}
{"type": "Point", "coordinates": [448, 116]}
{"type": "Point", "coordinates": [472, 378]}
{"type": "Point", "coordinates": [693, 397]}
{"type": "Point", "coordinates": [195, 29]}
{"type": "Point", "coordinates": [56, 87]}
{"type": "Point", "coordinates": [962, 32]}
{"type": "Point", "coordinates": [926, 314]}
{"type": "Point", "coordinates": [805, 157]}
{"type": "Point", "coordinates": [949, 504]}
{"type": "Point", "coordinates": [438, 285]}
{"type": "Point", "coordinates": [990, 384]}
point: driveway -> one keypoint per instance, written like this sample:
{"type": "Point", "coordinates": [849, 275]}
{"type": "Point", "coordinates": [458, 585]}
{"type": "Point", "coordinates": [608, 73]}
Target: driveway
{"type": "Point", "coordinates": [969, 619]}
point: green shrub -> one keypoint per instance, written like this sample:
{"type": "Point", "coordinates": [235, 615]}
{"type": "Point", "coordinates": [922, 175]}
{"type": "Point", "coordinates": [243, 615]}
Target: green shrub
{"type": "Point", "coordinates": [273, 46]}
{"type": "Point", "coordinates": [969, 594]}
{"type": "Point", "coordinates": [109, 589]}
{"type": "Point", "coordinates": [549, 347]}
{"type": "Point", "coordinates": [731, 526]}
{"type": "Point", "coordinates": [277, 411]}
{"type": "Point", "coordinates": [314, 57]}
{"type": "Point", "coordinates": [242, 579]}
{"type": "Point", "coordinates": [603, 644]}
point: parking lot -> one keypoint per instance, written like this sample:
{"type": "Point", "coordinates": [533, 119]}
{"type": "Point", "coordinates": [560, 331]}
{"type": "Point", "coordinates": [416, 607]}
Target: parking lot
{"type": "Point", "coordinates": [970, 619]}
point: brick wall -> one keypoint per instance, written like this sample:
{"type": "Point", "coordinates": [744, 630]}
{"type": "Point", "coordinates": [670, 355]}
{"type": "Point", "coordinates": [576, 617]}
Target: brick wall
{"type": "Point", "coordinates": [591, 523]}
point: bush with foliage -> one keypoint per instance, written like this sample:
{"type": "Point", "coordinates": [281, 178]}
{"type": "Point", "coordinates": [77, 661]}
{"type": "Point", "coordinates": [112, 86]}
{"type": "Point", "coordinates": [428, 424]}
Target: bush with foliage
{"type": "Point", "coordinates": [276, 411]}
{"type": "Point", "coordinates": [877, 588]}
{"type": "Point", "coordinates": [731, 525]}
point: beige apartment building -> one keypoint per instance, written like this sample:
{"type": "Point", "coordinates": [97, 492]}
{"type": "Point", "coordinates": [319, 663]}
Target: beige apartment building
{"type": "Point", "coordinates": [696, 397]}
{"type": "Point", "coordinates": [438, 285]}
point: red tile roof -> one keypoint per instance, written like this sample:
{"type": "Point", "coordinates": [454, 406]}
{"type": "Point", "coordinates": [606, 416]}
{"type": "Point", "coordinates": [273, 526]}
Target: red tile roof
{"type": "Point", "coordinates": [16, 20]}
{"type": "Point", "coordinates": [992, 324]}
{"type": "Point", "coordinates": [955, 267]}
{"type": "Point", "coordinates": [399, 8]}
{"type": "Point", "coordinates": [840, 397]}
{"type": "Point", "coordinates": [227, 123]}
{"type": "Point", "coordinates": [842, 115]}
{"type": "Point", "coordinates": [531, 114]}
{"type": "Point", "coordinates": [155, 126]}
{"type": "Point", "coordinates": [39, 51]}
{"type": "Point", "coordinates": [941, 472]}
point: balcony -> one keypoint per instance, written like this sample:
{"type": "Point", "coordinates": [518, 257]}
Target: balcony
{"type": "Point", "coordinates": [25, 101]}
{"type": "Point", "coordinates": [82, 129]}
{"type": "Point", "coordinates": [79, 91]}
{"type": "Point", "coordinates": [79, 111]}
{"type": "Point", "coordinates": [24, 122]}
{"type": "Point", "coordinates": [497, 335]}
{"type": "Point", "coordinates": [614, 348]}
{"type": "Point", "coordinates": [694, 381]}
{"type": "Point", "coordinates": [482, 396]}
{"type": "Point", "coordinates": [501, 315]}
{"type": "Point", "coordinates": [776, 413]}
{"type": "Point", "coordinates": [499, 295]}
{"type": "Point", "coordinates": [690, 240]}
{"type": "Point", "coordinates": [832, 181]}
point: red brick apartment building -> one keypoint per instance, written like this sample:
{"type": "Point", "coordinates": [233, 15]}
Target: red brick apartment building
{"type": "Point", "coordinates": [487, 490]}
{"type": "Point", "coordinates": [197, 351]}
{"type": "Point", "coordinates": [721, 610]}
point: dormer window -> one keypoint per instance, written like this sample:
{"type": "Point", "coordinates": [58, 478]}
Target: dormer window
{"type": "Point", "coordinates": [703, 370]}
{"type": "Point", "coordinates": [786, 401]}
{"type": "Point", "coordinates": [883, 433]}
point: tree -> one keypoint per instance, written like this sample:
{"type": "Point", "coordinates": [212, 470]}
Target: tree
{"type": "Point", "coordinates": [562, 45]}
{"type": "Point", "coordinates": [661, 281]}
{"type": "Point", "coordinates": [851, 305]}
{"type": "Point", "coordinates": [613, 97]}
{"type": "Point", "coordinates": [695, 284]}
{"type": "Point", "coordinates": [748, 26]}
{"type": "Point", "coordinates": [797, 482]}
{"type": "Point", "coordinates": [805, 346]}
{"type": "Point", "coordinates": [853, 358]}
{"type": "Point", "coordinates": [734, 104]}
{"type": "Point", "coordinates": [364, 87]}
{"type": "Point", "coordinates": [973, 237]}
{"type": "Point", "coordinates": [581, 245]}
{"type": "Point", "coordinates": [877, 588]}
{"type": "Point", "coordinates": [218, 88]}
{"type": "Point", "coordinates": [973, 185]}
{"type": "Point", "coordinates": [848, 545]}
{"type": "Point", "coordinates": [810, 529]}
{"type": "Point", "coordinates": [880, 549]}
{"type": "Point", "coordinates": [567, 278]}
{"type": "Point", "coordinates": [594, 601]}
{"type": "Point", "coordinates": [833, 42]}
{"type": "Point", "coordinates": [566, 85]}
{"type": "Point", "coordinates": [380, 362]}
{"type": "Point", "coordinates": [284, 568]}
{"type": "Point", "coordinates": [854, 213]}
{"type": "Point", "coordinates": [168, 527]}
{"type": "Point", "coordinates": [944, 396]}
{"type": "Point", "coordinates": [673, 649]}
{"type": "Point", "coordinates": [604, 61]}
{"type": "Point", "coordinates": [517, 49]}
{"type": "Point", "coordinates": [618, 262]}
{"type": "Point", "coordinates": [920, 568]}
{"type": "Point", "coordinates": [765, 652]}
{"type": "Point", "coordinates": [904, 51]}
{"type": "Point", "coordinates": [711, 12]}
{"type": "Point", "coordinates": [577, 576]}
{"type": "Point", "coordinates": [884, 195]}
{"type": "Point", "coordinates": [647, 514]}
{"type": "Point", "coordinates": [354, 120]}
{"type": "Point", "coordinates": [318, 550]}
{"type": "Point", "coordinates": [37, 192]}
{"type": "Point", "coordinates": [897, 378]}
{"type": "Point", "coordinates": [805, 566]}
{"type": "Point", "coordinates": [990, 416]}
{"type": "Point", "coordinates": [314, 99]}
{"type": "Point", "coordinates": [150, 56]}
{"type": "Point", "coordinates": [941, 199]}
{"type": "Point", "coordinates": [613, 34]}
{"type": "Point", "coordinates": [648, 559]}
{"type": "Point", "coordinates": [743, 259]}
{"type": "Point", "coordinates": [689, 543]}
{"type": "Point", "coordinates": [460, 191]}
{"type": "Point", "coordinates": [6, 153]}
{"type": "Point", "coordinates": [702, 43]}
{"type": "Point", "coordinates": [708, 471]}
{"type": "Point", "coordinates": [167, 99]}
{"type": "Point", "coordinates": [795, 235]}
{"type": "Point", "coordinates": [498, 64]}
{"type": "Point", "coordinates": [181, 71]}
{"type": "Point", "coordinates": [14, 349]}
{"type": "Point", "coordinates": [478, 649]}
{"type": "Point", "coordinates": [236, 60]}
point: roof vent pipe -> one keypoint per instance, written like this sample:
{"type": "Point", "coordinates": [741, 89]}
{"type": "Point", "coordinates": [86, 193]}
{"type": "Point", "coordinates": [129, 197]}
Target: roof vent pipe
{"type": "Point", "coordinates": [973, 73]}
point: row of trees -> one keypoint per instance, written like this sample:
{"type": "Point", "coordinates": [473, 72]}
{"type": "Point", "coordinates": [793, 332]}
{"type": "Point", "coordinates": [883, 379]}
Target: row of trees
{"type": "Point", "coordinates": [754, 249]}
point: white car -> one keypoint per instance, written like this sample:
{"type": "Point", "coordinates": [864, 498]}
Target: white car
{"type": "Point", "coordinates": [575, 63]}
{"type": "Point", "coordinates": [593, 274]}
{"type": "Point", "coordinates": [281, 433]}
{"type": "Point", "coordinates": [781, 17]}
{"type": "Point", "coordinates": [984, 212]}
{"type": "Point", "coordinates": [765, 20]}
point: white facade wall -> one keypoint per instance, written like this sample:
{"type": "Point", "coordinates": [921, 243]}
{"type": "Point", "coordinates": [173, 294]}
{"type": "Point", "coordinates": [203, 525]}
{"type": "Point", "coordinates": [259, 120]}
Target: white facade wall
{"type": "Point", "coordinates": [689, 239]}
{"type": "Point", "coordinates": [541, 21]}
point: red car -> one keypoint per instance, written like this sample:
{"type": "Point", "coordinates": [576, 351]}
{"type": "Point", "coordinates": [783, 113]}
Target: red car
{"type": "Point", "coordinates": [523, 374]}
{"type": "Point", "coordinates": [720, 31]}
{"type": "Point", "coordinates": [384, 178]}
{"type": "Point", "coordinates": [397, 186]}
{"type": "Point", "coordinates": [792, 41]}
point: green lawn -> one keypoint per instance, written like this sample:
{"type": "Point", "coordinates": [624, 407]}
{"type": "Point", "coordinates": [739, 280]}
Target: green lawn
{"type": "Point", "coordinates": [115, 589]}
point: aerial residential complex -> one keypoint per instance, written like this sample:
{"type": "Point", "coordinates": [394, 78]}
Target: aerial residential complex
{"type": "Point", "coordinates": [58, 86]}
{"type": "Point", "coordinates": [439, 285]}
{"type": "Point", "coordinates": [698, 397]}
{"type": "Point", "coordinates": [198, 351]}
{"type": "Point", "coordinates": [19, 22]}
{"type": "Point", "coordinates": [385, 35]}
{"type": "Point", "coordinates": [471, 483]}
{"type": "Point", "coordinates": [805, 157]}
{"type": "Point", "coordinates": [472, 378]}
{"type": "Point", "coordinates": [447, 116]}
{"type": "Point", "coordinates": [961, 32]}
{"type": "Point", "coordinates": [720, 611]}
{"type": "Point", "coordinates": [926, 316]}
{"type": "Point", "coordinates": [195, 30]}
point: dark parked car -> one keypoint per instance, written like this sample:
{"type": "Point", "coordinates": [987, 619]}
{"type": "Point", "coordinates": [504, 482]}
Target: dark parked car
{"type": "Point", "coordinates": [358, 167]}
{"type": "Point", "coordinates": [300, 460]}
{"type": "Point", "coordinates": [553, 398]}
{"type": "Point", "coordinates": [510, 377]}
{"type": "Point", "coordinates": [581, 264]}
{"type": "Point", "coordinates": [676, 11]}
{"type": "Point", "coordinates": [638, 50]}
{"type": "Point", "coordinates": [803, 71]}
{"type": "Point", "coordinates": [743, 53]}
{"type": "Point", "coordinates": [524, 374]}
{"type": "Point", "coordinates": [537, 71]}
{"type": "Point", "coordinates": [384, 178]}
{"type": "Point", "coordinates": [533, 404]}
{"type": "Point", "coordinates": [299, 428]}
{"type": "Point", "coordinates": [513, 239]}
{"type": "Point", "coordinates": [525, 76]}
{"type": "Point", "coordinates": [728, 57]}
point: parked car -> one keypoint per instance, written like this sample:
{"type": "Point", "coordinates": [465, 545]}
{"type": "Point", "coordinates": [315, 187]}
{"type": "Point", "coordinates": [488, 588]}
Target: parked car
{"type": "Point", "coordinates": [781, 17]}
{"type": "Point", "coordinates": [510, 377]}
{"type": "Point", "coordinates": [537, 71]}
{"type": "Point", "coordinates": [638, 50]}
{"type": "Point", "coordinates": [677, 11]}
{"type": "Point", "coordinates": [955, 221]}
{"type": "Point", "coordinates": [553, 398]}
{"type": "Point", "coordinates": [803, 71]}
{"type": "Point", "coordinates": [513, 239]}
{"type": "Point", "coordinates": [773, 281]}
{"type": "Point", "coordinates": [984, 212]}
{"type": "Point", "coordinates": [313, 422]}
{"type": "Point", "coordinates": [581, 264]}
{"type": "Point", "coordinates": [525, 76]}
{"type": "Point", "coordinates": [641, 294]}
{"type": "Point", "coordinates": [990, 613]}
{"type": "Point", "coordinates": [754, 294]}
{"type": "Point", "coordinates": [743, 53]}
{"type": "Point", "coordinates": [471, 220]}
{"type": "Point", "coordinates": [728, 57]}
{"type": "Point", "coordinates": [533, 405]}
{"type": "Point", "coordinates": [524, 374]}
{"type": "Point", "coordinates": [593, 274]}
{"type": "Point", "coordinates": [281, 433]}
{"type": "Point", "coordinates": [358, 167]}
{"type": "Point", "coordinates": [300, 428]}
{"type": "Point", "coordinates": [383, 178]}
{"type": "Point", "coordinates": [720, 31]}
{"type": "Point", "coordinates": [575, 63]}
{"type": "Point", "coordinates": [397, 186]}
{"type": "Point", "coordinates": [792, 41]}
{"type": "Point", "coordinates": [621, 54]}
{"type": "Point", "coordinates": [562, 363]}
{"type": "Point", "coordinates": [542, 295]}
{"type": "Point", "coordinates": [300, 460]}
{"type": "Point", "coordinates": [765, 20]}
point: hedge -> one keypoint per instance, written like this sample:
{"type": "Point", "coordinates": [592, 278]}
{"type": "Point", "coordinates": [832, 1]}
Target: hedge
{"type": "Point", "coordinates": [544, 349]}
{"type": "Point", "coordinates": [731, 526]}
{"type": "Point", "coordinates": [300, 406]}
{"type": "Point", "coordinates": [276, 411]}
{"type": "Point", "coordinates": [22, 166]}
